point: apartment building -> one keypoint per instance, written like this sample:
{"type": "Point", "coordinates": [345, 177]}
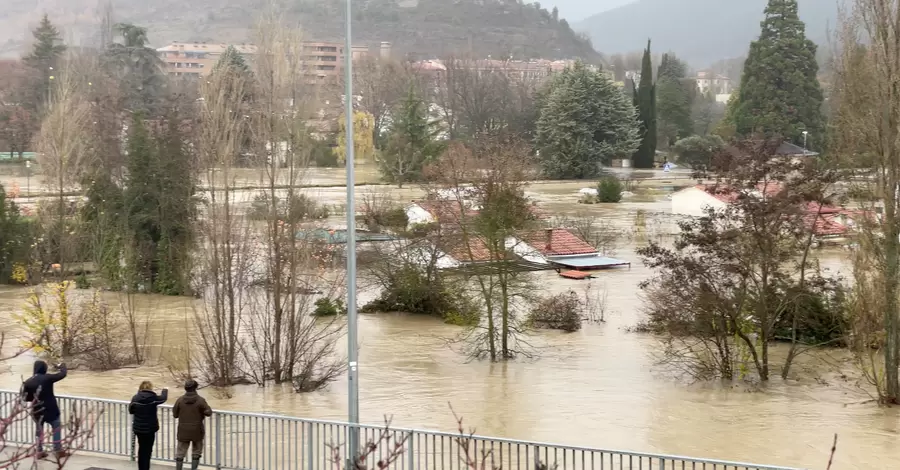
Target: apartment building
{"type": "Point", "coordinates": [324, 60]}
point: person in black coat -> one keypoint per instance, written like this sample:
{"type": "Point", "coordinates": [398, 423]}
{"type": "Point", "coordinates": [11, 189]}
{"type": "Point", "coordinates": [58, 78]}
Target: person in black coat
{"type": "Point", "coordinates": [145, 422]}
{"type": "Point", "coordinates": [38, 390]}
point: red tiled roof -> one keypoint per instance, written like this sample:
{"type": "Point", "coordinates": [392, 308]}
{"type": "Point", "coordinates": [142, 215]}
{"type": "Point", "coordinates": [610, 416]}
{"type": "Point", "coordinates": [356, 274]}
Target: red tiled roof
{"type": "Point", "coordinates": [459, 250]}
{"type": "Point", "coordinates": [729, 195]}
{"type": "Point", "coordinates": [557, 242]}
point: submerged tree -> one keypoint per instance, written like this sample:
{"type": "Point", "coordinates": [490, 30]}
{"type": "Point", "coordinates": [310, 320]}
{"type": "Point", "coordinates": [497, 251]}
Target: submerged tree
{"type": "Point", "coordinates": [490, 174]}
{"type": "Point", "coordinates": [733, 282]}
{"type": "Point", "coordinates": [780, 95]}
{"type": "Point", "coordinates": [865, 132]}
{"type": "Point", "coordinates": [585, 121]}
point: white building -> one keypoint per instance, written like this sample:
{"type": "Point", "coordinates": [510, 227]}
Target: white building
{"type": "Point", "coordinates": [719, 84]}
{"type": "Point", "coordinates": [695, 200]}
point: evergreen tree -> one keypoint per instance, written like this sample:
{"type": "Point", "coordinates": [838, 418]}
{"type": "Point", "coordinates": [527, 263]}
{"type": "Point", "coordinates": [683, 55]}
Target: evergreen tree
{"type": "Point", "coordinates": [780, 93]}
{"type": "Point", "coordinates": [176, 187]}
{"type": "Point", "coordinates": [141, 202]}
{"type": "Point", "coordinates": [44, 57]}
{"type": "Point", "coordinates": [137, 66]}
{"type": "Point", "coordinates": [585, 120]}
{"type": "Point", "coordinates": [232, 60]}
{"type": "Point", "coordinates": [674, 97]}
{"type": "Point", "coordinates": [411, 142]}
{"type": "Point", "coordinates": [645, 102]}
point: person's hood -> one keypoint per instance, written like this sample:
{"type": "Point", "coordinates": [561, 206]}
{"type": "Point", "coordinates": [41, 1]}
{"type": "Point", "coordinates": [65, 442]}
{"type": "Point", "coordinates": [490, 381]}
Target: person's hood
{"type": "Point", "coordinates": [40, 367]}
{"type": "Point", "coordinates": [190, 398]}
{"type": "Point", "coordinates": [145, 397]}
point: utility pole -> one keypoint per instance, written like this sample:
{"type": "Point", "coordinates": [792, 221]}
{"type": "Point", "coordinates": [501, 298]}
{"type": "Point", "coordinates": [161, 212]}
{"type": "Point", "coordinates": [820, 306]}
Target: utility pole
{"type": "Point", "coordinates": [352, 344]}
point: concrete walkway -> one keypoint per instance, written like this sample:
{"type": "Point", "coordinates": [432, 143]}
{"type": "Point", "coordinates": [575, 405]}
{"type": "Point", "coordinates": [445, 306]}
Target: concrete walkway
{"type": "Point", "coordinates": [91, 462]}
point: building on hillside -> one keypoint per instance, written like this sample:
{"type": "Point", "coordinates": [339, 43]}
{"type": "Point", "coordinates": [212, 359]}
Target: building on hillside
{"type": "Point", "coordinates": [323, 60]}
{"type": "Point", "coordinates": [538, 69]}
{"type": "Point", "coordinates": [719, 84]}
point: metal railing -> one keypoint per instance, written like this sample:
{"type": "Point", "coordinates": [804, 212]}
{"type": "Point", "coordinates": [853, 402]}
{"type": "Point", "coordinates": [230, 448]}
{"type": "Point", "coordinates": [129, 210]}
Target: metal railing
{"type": "Point", "coordinates": [248, 441]}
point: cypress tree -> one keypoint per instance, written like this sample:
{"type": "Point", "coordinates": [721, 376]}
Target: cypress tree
{"type": "Point", "coordinates": [780, 94]}
{"type": "Point", "coordinates": [645, 102]}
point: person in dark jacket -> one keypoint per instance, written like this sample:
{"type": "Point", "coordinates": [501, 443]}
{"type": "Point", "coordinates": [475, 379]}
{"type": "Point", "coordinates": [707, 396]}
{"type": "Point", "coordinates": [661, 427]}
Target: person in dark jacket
{"type": "Point", "coordinates": [146, 422]}
{"type": "Point", "coordinates": [191, 410]}
{"type": "Point", "coordinates": [38, 390]}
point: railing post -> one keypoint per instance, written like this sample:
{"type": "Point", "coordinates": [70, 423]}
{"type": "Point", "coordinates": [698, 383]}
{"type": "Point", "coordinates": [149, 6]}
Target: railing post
{"type": "Point", "coordinates": [309, 447]}
{"type": "Point", "coordinates": [218, 440]}
{"type": "Point", "coordinates": [662, 463]}
{"type": "Point", "coordinates": [411, 450]}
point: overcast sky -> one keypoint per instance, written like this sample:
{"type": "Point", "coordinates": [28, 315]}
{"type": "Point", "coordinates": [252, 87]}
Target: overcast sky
{"type": "Point", "coordinates": [577, 10]}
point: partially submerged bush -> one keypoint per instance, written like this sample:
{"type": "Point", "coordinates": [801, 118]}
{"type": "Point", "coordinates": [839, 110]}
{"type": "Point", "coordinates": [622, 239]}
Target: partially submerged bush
{"type": "Point", "coordinates": [326, 307]}
{"type": "Point", "coordinates": [609, 189]}
{"type": "Point", "coordinates": [557, 312]}
{"type": "Point", "coordinates": [409, 290]}
{"type": "Point", "coordinates": [300, 208]}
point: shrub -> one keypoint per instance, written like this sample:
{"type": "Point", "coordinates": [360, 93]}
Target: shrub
{"type": "Point", "coordinates": [409, 290]}
{"type": "Point", "coordinates": [557, 312]}
{"type": "Point", "coordinates": [326, 307]}
{"type": "Point", "coordinates": [301, 207]}
{"type": "Point", "coordinates": [697, 151]}
{"type": "Point", "coordinates": [609, 189]}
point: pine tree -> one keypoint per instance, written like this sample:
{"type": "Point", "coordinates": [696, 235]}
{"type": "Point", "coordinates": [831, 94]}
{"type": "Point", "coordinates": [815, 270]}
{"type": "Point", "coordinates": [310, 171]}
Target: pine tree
{"type": "Point", "coordinates": [412, 141]}
{"type": "Point", "coordinates": [674, 97]}
{"type": "Point", "coordinates": [645, 102]}
{"type": "Point", "coordinates": [137, 66]}
{"type": "Point", "coordinates": [585, 120]}
{"type": "Point", "coordinates": [232, 60]}
{"type": "Point", "coordinates": [44, 57]}
{"type": "Point", "coordinates": [780, 94]}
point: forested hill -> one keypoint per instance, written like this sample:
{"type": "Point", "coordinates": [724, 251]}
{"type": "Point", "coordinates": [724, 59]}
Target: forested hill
{"type": "Point", "coordinates": [699, 31]}
{"type": "Point", "coordinates": [421, 27]}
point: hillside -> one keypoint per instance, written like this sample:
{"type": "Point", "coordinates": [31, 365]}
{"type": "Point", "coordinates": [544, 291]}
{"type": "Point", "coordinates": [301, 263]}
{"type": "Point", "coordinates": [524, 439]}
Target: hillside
{"type": "Point", "coordinates": [419, 27]}
{"type": "Point", "coordinates": [699, 31]}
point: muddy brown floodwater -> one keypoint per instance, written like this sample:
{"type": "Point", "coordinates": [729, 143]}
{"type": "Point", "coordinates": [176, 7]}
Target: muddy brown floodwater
{"type": "Point", "coordinates": [597, 387]}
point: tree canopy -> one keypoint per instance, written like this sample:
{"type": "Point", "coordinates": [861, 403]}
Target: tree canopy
{"type": "Point", "coordinates": [780, 93]}
{"type": "Point", "coordinates": [585, 120]}
{"type": "Point", "coordinates": [412, 141]}
{"type": "Point", "coordinates": [674, 97]}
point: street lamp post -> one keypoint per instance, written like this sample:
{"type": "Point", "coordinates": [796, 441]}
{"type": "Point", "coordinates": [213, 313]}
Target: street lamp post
{"type": "Point", "coordinates": [352, 344]}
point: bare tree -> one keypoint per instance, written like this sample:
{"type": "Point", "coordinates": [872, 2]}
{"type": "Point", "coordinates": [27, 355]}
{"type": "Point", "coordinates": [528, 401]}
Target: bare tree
{"type": "Point", "coordinates": [866, 129]}
{"type": "Point", "coordinates": [486, 184]}
{"type": "Point", "coordinates": [62, 144]}
{"type": "Point", "coordinates": [731, 284]}
{"type": "Point", "coordinates": [226, 242]}
{"type": "Point", "coordinates": [285, 343]}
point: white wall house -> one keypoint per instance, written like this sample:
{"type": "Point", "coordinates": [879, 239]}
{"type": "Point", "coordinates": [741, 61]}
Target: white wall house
{"type": "Point", "coordinates": [417, 215]}
{"type": "Point", "coordinates": [693, 201]}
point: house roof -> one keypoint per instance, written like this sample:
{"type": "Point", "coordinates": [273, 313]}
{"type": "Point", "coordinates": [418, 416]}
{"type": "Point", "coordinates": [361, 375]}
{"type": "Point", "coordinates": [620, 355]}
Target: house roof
{"type": "Point", "coordinates": [459, 249]}
{"type": "Point", "coordinates": [446, 211]}
{"type": "Point", "coordinates": [788, 149]}
{"type": "Point", "coordinates": [827, 225]}
{"type": "Point", "coordinates": [557, 242]}
{"type": "Point", "coordinates": [729, 195]}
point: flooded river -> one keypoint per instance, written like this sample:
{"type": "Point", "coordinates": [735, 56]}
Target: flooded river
{"type": "Point", "coordinates": [597, 387]}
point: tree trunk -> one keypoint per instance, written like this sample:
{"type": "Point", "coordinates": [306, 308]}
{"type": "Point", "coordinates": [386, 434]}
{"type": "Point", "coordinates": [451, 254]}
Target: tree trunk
{"type": "Point", "coordinates": [891, 284]}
